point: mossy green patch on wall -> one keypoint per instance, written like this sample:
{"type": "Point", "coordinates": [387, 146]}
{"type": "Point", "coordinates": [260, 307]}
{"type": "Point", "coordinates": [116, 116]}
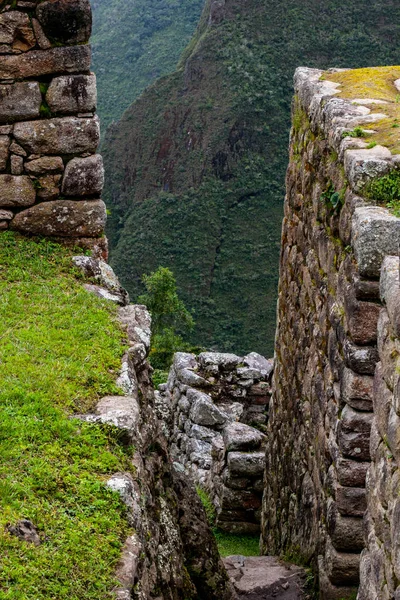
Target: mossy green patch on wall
{"type": "Point", "coordinates": [60, 351]}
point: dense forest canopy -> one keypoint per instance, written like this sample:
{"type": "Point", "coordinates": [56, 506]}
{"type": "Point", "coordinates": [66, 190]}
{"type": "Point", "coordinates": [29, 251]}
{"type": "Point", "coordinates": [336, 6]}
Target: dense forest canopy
{"type": "Point", "coordinates": [196, 166]}
{"type": "Point", "coordinates": [134, 42]}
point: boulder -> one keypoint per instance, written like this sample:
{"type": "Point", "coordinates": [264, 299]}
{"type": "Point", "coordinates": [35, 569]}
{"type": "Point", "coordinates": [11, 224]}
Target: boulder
{"type": "Point", "coordinates": [83, 176]}
{"type": "Point", "coordinates": [16, 191]}
{"type": "Point", "coordinates": [63, 218]}
{"type": "Point", "coordinates": [219, 359]}
{"type": "Point", "coordinates": [20, 101]}
{"type": "Point", "coordinates": [260, 364]}
{"type": "Point", "coordinates": [67, 135]}
{"type": "Point", "coordinates": [72, 94]}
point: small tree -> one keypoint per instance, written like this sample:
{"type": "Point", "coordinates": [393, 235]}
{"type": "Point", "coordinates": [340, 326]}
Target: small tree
{"type": "Point", "coordinates": [169, 316]}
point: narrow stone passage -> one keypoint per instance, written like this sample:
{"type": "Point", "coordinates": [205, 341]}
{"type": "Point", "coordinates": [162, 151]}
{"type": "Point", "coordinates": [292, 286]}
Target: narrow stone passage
{"type": "Point", "coordinates": [264, 578]}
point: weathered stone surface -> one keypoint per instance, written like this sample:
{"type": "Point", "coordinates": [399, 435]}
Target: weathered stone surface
{"type": "Point", "coordinates": [219, 359]}
{"type": "Point", "coordinates": [362, 318]}
{"type": "Point", "coordinates": [41, 39]}
{"type": "Point", "coordinates": [363, 165]}
{"type": "Point", "coordinates": [389, 289]}
{"type": "Point", "coordinates": [17, 165]}
{"type": "Point", "coordinates": [346, 533]}
{"type": "Point", "coordinates": [72, 94]}
{"type": "Point", "coordinates": [260, 364]}
{"type": "Point", "coordinates": [65, 21]}
{"type": "Point", "coordinates": [342, 569]}
{"type": "Point", "coordinates": [16, 191]}
{"type": "Point", "coordinates": [68, 135]}
{"type": "Point", "coordinates": [357, 390]}
{"type": "Point", "coordinates": [83, 176]}
{"type": "Point", "coordinates": [16, 31]}
{"type": "Point", "coordinates": [383, 399]}
{"type": "Point", "coordinates": [351, 473]}
{"type": "Point", "coordinates": [48, 187]}
{"type": "Point", "coordinates": [4, 149]}
{"type": "Point", "coordinates": [351, 501]}
{"type": "Point", "coordinates": [63, 218]}
{"type": "Point", "coordinates": [264, 577]}
{"type": "Point", "coordinates": [242, 464]}
{"type": "Point", "coordinates": [361, 359]}
{"type": "Point", "coordinates": [375, 234]}
{"type": "Point", "coordinates": [44, 165]}
{"type": "Point", "coordinates": [354, 433]}
{"type": "Point", "coordinates": [99, 270]}
{"type": "Point", "coordinates": [238, 436]}
{"type": "Point", "coordinates": [120, 411]}
{"type": "Point", "coordinates": [19, 101]}
{"type": "Point", "coordinates": [37, 63]}
{"type": "Point", "coordinates": [203, 411]}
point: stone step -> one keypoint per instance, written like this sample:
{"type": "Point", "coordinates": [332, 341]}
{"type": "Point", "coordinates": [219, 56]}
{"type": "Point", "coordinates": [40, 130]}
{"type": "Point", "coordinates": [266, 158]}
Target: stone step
{"type": "Point", "coordinates": [265, 578]}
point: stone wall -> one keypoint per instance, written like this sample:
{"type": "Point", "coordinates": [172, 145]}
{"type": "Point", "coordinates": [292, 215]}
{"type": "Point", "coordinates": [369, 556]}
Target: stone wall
{"type": "Point", "coordinates": [217, 408]}
{"type": "Point", "coordinates": [380, 564]}
{"type": "Point", "coordinates": [171, 553]}
{"type": "Point", "coordinates": [333, 242]}
{"type": "Point", "coordinates": [50, 175]}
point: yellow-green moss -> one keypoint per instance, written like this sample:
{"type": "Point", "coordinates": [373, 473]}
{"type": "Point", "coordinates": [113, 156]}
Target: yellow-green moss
{"type": "Point", "coordinates": [376, 83]}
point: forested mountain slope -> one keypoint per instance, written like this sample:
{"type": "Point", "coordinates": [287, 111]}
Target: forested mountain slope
{"type": "Point", "coordinates": [134, 42]}
{"type": "Point", "coordinates": [196, 166]}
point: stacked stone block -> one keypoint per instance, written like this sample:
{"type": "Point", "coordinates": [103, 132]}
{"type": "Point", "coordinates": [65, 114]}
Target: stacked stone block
{"type": "Point", "coordinates": [380, 564]}
{"type": "Point", "coordinates": [328, 309]}
{"type": "Point", "coordinates": [218, 407]}
{"type": "Point", "coordinates": [50, 175]}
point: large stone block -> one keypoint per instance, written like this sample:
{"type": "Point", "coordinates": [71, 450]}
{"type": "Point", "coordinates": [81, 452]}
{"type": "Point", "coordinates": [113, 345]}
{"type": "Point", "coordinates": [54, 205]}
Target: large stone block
{"type": "Point", "coordinates": [203, 411]}
{"type": "Point", "coordinates": [19, 101]}
{"type": "Point", "coordinates": [342, 568]}
{"type": "Point", "coordinates": [347, 533]}
{"type": "Point", "coordinates": [238, 436]}
{"type": "Point", "coordinates": [363, 165]}
{"type": "Point", "coordinates": [45, 165]}
{"type": "Point", "coordinates": [68, 135]}
{"type": "Point", "coordinates": [351, 473]}
{"type": "Point", "coordinates": [242, 464]}
{"type": "Point", "coordinates": [389, 289]}
{"type": "Point", "coordinates": [72, 94]}
{"type": "Point", "coordinates": [239, 499]}
{"type": "Point", "coordinates": [65, 21]}
{"type": "Point", "coordinates": [383, 399]}
{"type": "Point", "coordinates": [16, 31]}
{"type": "Point", "coordinates": [361, 359]}
{"type": "Point", "coordinates": [354, 433]}
{"type": "Point", "coordinates": [83, 176]}
{"type": "Point", "coordinates": [37, 63]}
{"type": "Point", "coordinates": [357, 390]}
{"type": "Point", "coordinates": [375, 234]}
{"type": "Point", "coordinates": [16, 191]}
{"type": "Point", "coordinates": [351, 501]}
{"type": "Point", "coordinates": [65, 218]}
{"type": "Point", "coordinates": [362, 318]}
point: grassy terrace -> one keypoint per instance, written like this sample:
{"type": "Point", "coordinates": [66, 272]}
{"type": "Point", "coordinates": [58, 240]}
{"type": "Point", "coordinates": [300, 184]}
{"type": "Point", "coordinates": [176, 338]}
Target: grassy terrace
{"type": "Point", "coordinates": [375, 83]}
{"type": "Point", "coordinates": [60, 350]}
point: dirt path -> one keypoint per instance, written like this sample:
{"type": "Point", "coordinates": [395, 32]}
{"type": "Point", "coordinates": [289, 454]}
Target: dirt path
{"type": "Point", "coordinates": [265, 578]}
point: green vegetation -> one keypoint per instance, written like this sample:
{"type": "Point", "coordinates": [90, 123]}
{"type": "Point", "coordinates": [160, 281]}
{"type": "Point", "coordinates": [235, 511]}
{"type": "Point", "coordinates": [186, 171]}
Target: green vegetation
{"type": "Point", "coordinates": [133, 44]}
{"type": "Point", "coordinates": [229, 543]}
{"type": "Point", "coordinates": [333, 199]}
{"type": "Point", "coordinates": [357, 132]}
{"type": "Point", "coordinates": [386, 190]}
{"type": "Point", "coordinates": [60, 352]}
{"type": "Point", "coordinates": [168, 314]}
{"type": "Point", "coordinates": [196, 167]}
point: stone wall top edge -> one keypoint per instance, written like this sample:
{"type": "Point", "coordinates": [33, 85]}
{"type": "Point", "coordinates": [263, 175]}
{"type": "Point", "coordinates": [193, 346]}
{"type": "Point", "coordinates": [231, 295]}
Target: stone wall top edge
{"type": "Point", "coordinates": [375, 230]}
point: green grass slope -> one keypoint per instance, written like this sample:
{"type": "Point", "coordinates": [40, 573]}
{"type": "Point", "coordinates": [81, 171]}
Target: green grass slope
{"type": "Point", "coordinates": [196, 166]}
{"type": "Point", "coordinates": [60, 351]}
{"type": "Point", "coordinates": [134, 42]}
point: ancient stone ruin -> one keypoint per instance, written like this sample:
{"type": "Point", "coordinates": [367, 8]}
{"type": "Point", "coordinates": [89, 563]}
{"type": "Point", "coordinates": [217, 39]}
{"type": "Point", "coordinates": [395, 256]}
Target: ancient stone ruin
{"type": "Point", "coordinates": [217, 407]}
{"type": "Point", "coordinates": [334, 405]}
{"type": "Point", "coordinates": [50, 175]}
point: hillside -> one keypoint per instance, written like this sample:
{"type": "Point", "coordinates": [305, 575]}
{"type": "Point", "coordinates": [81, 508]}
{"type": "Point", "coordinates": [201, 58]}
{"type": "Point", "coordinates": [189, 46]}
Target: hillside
{"type": "Point", "coordinates": [196, 166]}
{"type": "Point", "coordinates": [134, 43]}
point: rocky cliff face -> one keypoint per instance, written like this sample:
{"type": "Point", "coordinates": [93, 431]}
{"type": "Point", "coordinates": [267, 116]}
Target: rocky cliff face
{"type": "Point", "coordinates": [195, 167]}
